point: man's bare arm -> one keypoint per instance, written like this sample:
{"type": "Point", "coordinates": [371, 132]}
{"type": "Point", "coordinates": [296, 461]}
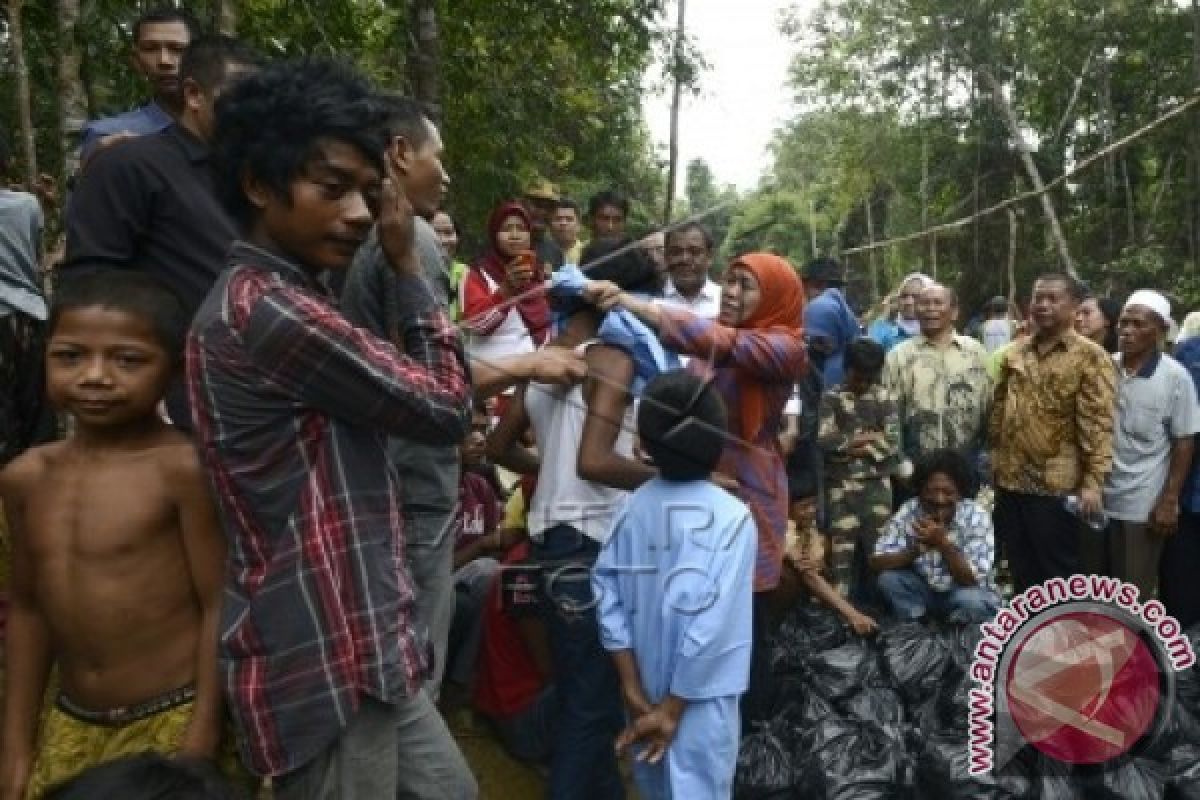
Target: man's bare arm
{"type": "Point", "coordinates": [204, 548]}
{"type": "Point", "coordinates": [556, 365]}
{"type": "Point", "coordinates": [610, 370]}
{"type": "Point", "coordinates": [504, 442]}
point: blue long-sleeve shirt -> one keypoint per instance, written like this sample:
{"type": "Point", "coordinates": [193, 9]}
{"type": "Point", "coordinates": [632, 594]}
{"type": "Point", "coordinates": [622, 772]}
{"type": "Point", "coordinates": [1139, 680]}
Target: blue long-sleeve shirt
{"type": "Point", "coordinates": [674, 584]}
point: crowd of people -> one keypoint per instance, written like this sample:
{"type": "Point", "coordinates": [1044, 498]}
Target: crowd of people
{"type": "Point", "coordinates": [284, 476]}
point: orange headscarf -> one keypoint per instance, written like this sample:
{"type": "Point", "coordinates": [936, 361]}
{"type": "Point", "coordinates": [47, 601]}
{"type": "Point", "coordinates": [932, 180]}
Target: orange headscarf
{"type": "Point", "coordinates": [780, 308]}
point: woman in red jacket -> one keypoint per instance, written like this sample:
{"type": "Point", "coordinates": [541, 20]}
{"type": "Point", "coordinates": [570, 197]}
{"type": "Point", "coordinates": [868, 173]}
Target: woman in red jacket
{"type": "Point", "coordinates": [497, 323]}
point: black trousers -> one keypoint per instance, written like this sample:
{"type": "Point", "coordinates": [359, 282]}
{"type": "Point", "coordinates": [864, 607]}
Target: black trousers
{"type": "Point", "coordinates": [759, 699]}
{"type": "Point", "coordinates": [1178, 584]}
{"type": "Point", "coordinates": [1042, 537]}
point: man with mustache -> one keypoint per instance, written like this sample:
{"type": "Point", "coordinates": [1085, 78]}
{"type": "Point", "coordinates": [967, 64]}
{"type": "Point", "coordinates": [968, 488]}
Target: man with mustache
{"type": "Point", "coordinates": [1157, 418]}
{"type": "Point", "coordinates": [1050, 429]}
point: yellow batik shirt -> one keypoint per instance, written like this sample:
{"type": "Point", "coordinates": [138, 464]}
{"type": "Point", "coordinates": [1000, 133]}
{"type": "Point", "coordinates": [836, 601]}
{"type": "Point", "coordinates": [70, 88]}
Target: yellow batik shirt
{"type": "Point", "coordinates": [1051, 425]}
{"type": "Point", "coordinates": [943, 394]}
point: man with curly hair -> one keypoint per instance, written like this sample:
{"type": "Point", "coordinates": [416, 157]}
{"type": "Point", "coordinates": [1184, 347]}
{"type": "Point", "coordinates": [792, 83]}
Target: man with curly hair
{"type": "Point", "coordinates": [292, 403]}
{"type": "Point", "coordinates": [936, 554]}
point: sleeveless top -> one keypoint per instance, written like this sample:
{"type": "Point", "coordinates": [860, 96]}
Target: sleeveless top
{"type": "Point", "coordinates": [562, 497]}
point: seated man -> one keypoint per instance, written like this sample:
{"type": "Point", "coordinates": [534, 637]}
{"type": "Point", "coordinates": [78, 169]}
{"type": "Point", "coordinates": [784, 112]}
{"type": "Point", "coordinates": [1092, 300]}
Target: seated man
{"type": "Point", "coordinates": [936, 554]}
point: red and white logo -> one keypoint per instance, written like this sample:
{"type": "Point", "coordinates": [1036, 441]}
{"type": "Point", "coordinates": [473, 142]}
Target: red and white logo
{"type": "Point", "coordinates": [1083, 687]}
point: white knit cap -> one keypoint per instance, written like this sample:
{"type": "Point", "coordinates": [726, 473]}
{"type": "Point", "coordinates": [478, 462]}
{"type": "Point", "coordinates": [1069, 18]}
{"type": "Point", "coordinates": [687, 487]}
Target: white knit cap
{"type": "Point", "coordinates": [1148, 298]}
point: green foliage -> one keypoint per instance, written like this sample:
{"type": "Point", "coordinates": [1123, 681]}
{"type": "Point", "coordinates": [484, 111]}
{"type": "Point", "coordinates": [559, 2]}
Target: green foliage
{"type": "Point", "coordinates": [548, 89]}
{"type": "Point", "coordinates": [893, 111]}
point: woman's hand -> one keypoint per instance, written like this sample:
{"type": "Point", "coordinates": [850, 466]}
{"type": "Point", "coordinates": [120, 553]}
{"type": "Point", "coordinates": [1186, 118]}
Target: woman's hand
{"type": "Point", "coordinates": [605, 295]}
{"type": "Point", "coordinates": [518, 274]}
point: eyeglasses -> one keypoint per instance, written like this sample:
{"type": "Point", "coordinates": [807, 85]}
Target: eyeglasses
{"type": "Point", "coordinates": [691, 252]}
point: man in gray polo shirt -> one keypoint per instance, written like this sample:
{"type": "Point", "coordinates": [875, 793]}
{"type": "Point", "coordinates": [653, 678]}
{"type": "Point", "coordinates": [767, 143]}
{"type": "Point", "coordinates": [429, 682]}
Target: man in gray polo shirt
{"type": "Point", "coordinates": [1157, 416]}
{"type": "Point", "coordinates": [427, 474]}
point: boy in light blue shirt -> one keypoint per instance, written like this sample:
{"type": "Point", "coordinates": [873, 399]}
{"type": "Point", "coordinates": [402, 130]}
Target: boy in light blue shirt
{"type": "Point", "coordinates": [674, 595]}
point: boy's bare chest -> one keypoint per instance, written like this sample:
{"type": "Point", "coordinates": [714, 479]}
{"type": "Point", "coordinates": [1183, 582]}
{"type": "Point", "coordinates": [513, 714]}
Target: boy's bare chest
{"type": "Point", "coordinates": [99, 512]}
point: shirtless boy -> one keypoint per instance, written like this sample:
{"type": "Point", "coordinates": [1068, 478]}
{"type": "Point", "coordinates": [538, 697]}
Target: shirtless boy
{"type": "Point", "coordinates": [118, 558]}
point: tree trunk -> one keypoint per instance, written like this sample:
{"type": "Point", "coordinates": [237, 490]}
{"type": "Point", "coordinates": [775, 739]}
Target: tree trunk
{"type": "Point", "coordinates": [225, 16]}
{"type": "Point", "coordinates": [72, 99]}
{"type": "Point", "coordinates": [976, 183]}
{"type": "Point", "coordinates": [1194, 146]}
{"type": "Point", "coordinates": [425, 61]}
{"type": "Point", "coordinates": [924, 182]}
{"type": "Point", "coordinates": [16, 41]}
{"type": "Point", "coordinates": [1130, 208]}
{"type": "Point", "coordinates": [812, 225]}
{"type": "Point", "coordinates": [1164, 181]}
{"type": "Point", "coordinates": [872, 272]}
{"type": "Point", "coordinates": [1035, 177]}
{"type": "Point", "coordinates": [1107, 124]}
{"type": "Point", "coordinates": [676, 100]}
{"type": "Point", "coordinates": [1012, 256]}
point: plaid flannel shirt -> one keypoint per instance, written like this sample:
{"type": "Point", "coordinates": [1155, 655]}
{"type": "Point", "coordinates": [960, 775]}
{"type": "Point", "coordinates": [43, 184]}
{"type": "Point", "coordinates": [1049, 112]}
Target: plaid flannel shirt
{"type": "Point", "coordinates": [291, 405]}
{"type": "Point", "coordinates": [971, 532]}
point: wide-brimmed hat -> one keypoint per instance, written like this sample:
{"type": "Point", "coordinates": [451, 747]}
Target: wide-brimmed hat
{"type": "Point", "coordinates": [542, 190]}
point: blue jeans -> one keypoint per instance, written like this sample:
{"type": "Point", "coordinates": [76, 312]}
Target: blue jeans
{"type": "Point", "coordinates": [529, 734]}
{"type": "Point", "coordinates": [583, 764]}
{"type": "Point", "coordinates": [911, 597]}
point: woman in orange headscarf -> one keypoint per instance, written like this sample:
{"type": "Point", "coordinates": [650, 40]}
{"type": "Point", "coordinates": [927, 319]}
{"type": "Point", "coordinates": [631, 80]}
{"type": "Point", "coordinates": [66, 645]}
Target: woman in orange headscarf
{"type": "Point", "coordinates": [754, 353]}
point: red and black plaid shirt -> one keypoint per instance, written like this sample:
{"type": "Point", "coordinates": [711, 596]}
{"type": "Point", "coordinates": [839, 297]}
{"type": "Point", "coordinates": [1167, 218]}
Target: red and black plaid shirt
{"type": "Point", "coordinates": [292, 405]}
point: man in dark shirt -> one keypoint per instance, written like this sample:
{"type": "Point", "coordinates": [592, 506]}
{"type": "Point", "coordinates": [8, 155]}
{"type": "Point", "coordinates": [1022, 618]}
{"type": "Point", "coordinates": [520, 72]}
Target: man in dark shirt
{"type": "Point", "coordinates": [428, 473]}
{"type": "Point", "coordinates": [149, 203]}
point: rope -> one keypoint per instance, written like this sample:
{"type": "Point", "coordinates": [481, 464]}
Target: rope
{"type": "Point", "coordinates": [1082, 166]}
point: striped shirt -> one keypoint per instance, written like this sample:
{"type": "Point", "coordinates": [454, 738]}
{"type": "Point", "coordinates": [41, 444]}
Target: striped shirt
{"type": "Point", "coordinates": [776, 359]}
{"type": "Point", "coordinates": [292, 405]}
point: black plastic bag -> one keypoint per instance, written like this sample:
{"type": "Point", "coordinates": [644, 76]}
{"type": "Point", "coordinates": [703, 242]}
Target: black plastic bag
{"type": "Point", "coordinates": [1187, 682]}
{"type": "Point", "coordinates": [852, 759]}
{"type": "Point", "coordinates": [952, 705]}
{"type": "Point", "coordinates": [836, 674]}
{"type": "Point", "coordinates": [807, 629]}
{"type": "Point", "coordinates": [1176, 752]}
{"type": "Point", "coordinates": [961, 640]}
{"type": "Point", "coordinates": [1183, 776]}
{"type": "Point", "coordinates": [916, 660]}
{"type": "Point", "coordinates": [1135, 778]}
{"type": "Point", "coordinates": [942, 773]}
{"type": "Point", "coordinates": [799, 719]}
{"type": "Point", "coordinates": [1052, 779]}
{"type": "Point", "coordinates": [764, 766]}
{"type": "Point", "coordinates": [875, 704]}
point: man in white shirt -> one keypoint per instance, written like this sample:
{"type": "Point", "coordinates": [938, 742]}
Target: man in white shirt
{"type": "Point", "coordinates": [1156, 422]}
{"type": "Point", "coordinates": [689, 258]}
